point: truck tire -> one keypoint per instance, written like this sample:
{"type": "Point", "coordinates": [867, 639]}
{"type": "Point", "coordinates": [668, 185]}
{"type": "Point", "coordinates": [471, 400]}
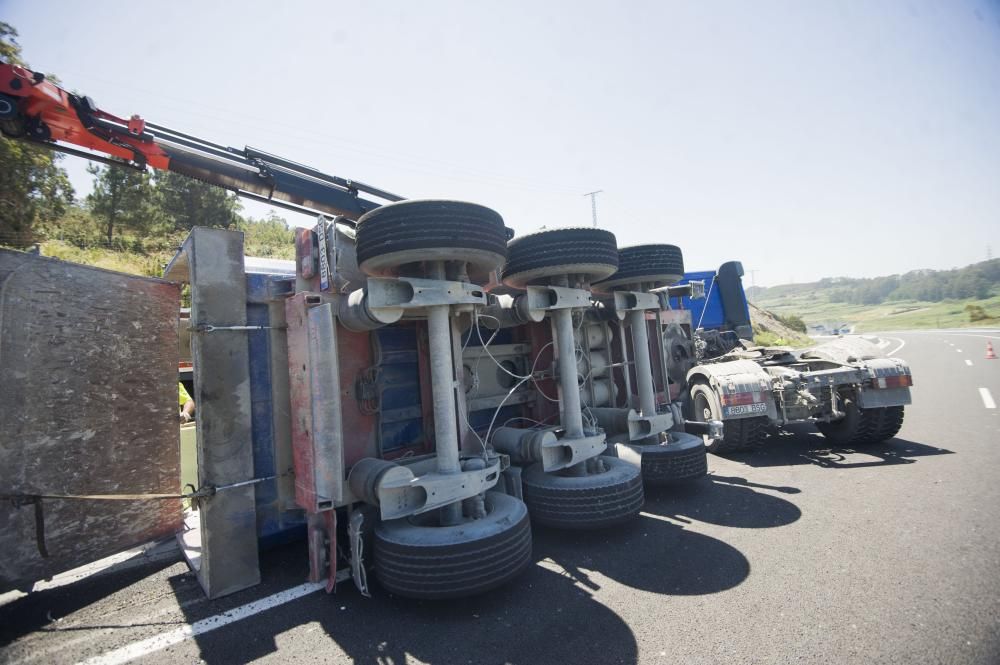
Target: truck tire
{"type": "Point", "coordinates": [410, 232]}
{"type": "Point", "coordinates": [584, 502]}
{"type": "Point", "coordinates": [739, 435]}
{"type": "Point", "coordinates": [742, 436]}
{"type": "Point", "coordinates": [889, 422]}
{"type": "Point", "coordinates": [660, 265]}
{"type": "Point", "coordinates": [858, 427]}
{"type": "Point", "coordinates": [418, 560]}
{"type": "Point", "coordinates": [536, 257]}
{"type": "Point", "coordinates": [681, 461]}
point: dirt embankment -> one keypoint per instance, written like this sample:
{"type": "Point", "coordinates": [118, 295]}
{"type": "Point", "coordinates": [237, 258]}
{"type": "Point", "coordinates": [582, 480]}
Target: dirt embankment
{"type": "Point", "coordinates": [768, 330]}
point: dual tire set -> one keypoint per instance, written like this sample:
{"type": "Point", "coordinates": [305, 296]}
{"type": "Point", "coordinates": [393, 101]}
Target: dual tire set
{"type": "Point", "coordinates": [417, 557]}
{"type": "Point", "coordinates": [859, 427]}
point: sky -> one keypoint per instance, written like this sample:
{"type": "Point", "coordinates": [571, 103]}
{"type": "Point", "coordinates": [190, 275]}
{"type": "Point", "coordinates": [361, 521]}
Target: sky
{"type": "Point", "coordinates": [806, 140]}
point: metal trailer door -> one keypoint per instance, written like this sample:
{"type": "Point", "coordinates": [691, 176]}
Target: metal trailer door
{"type": "Point", "coordinates": [88, 405]}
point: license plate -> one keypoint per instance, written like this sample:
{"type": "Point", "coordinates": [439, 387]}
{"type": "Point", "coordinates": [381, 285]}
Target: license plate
{"type": "Point", "coordinates": [742, 409]}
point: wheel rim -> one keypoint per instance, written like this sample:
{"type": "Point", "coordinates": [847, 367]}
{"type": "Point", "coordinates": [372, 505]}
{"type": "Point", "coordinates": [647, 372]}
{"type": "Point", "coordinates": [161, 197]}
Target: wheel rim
{"type": "Point", "coordinates": [703, 412]}
{"type": "Point", "coordinates": [701, 406]}
{"type": "Point", "coordinates": [429, 520]}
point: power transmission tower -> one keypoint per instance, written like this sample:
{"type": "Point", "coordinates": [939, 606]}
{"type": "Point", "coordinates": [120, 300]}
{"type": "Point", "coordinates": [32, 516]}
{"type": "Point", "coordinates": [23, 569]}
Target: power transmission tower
{"type": "Point", "coordinates": [593, 204]}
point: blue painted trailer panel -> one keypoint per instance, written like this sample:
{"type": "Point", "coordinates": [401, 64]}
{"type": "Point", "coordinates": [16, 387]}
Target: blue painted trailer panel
{"type": "Point", "coordinates": [274, 525]}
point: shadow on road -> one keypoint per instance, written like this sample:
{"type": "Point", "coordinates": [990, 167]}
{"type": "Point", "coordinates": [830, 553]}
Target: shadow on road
{"type": "Point", "coordinates": [727, 501]}
{"type": "Point", "coordinates": [803, 445]}
{"type": "Point", "coordinates": [549, 614]}
{"type": "Point", "coordinates": [552, 613]}
{"type": "Point", "coordinates": [39, 610]}
{"type": "Point", "coordinates": [651, 553]}
{"type": "Point", "coordinates": [542, 616]}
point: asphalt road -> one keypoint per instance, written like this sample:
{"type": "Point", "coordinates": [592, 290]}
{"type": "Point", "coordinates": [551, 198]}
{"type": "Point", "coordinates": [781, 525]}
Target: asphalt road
{"type": "Point", "coordinates": [797, 553]}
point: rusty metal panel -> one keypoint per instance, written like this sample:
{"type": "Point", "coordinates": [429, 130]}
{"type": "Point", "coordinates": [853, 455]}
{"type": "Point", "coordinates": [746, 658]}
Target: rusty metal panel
{"type": "Point", "coordinates": [300, 398]}
{"type": "Point", "coordinates": [315, 396]}
{"type": "Point", "coordinates": [359, 426]}
{"type": "Point", "coordinates": [88, 405]}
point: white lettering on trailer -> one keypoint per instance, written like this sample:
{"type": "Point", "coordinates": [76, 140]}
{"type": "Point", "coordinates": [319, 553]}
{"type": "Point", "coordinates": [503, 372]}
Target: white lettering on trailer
{"type": "Point", "coordinates": [987, 398]}
{"type": "Point", "coordinates": [159, 642]}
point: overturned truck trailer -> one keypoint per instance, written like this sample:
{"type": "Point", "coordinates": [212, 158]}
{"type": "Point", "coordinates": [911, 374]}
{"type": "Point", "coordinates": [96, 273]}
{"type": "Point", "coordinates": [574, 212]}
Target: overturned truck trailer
{"type": "Point", "coordinates": [490, 374]}
{"type": "Point", "coordinates": [405, 394]}
{"type": "Point", "coordinates": [413, 385]}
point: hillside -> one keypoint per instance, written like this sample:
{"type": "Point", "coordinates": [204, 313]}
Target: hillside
{"type": "Point", "coordinates": [769, 331]}
{"type": "Point", "coordinates": [964, 297]}
{"type": "Point", "coordinates": [144, 256]}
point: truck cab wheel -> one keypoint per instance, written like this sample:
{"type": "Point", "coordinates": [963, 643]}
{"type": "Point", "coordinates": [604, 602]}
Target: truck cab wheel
{"type": "Point", "coordinates": [584, 502]}
{"type": "Point", "coordinates": [847, 431]}
{"type": "Point", "coordinates": [739, 435]}
{"type": "Point", "coordinates": [862, 427]}
{"type": "Point", "coordinates": [416, 558]}
{"type": "Point", "coordinates": [889, 422]}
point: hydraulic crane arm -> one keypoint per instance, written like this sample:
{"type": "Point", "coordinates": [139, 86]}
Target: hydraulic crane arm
{"type": "Point", "coordinates": [35, 109]}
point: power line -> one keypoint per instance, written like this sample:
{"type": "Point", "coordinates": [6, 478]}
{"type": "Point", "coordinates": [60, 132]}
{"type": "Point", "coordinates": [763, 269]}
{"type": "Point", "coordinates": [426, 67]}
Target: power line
{"type": "Point", "coordinates": [753, 286]}
{"type": "Point", "coordinates": [593, 204]}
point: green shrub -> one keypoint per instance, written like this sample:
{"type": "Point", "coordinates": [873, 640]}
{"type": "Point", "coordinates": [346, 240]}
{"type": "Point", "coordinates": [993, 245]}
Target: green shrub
{"type": "Point", "coordinates": [976, 313]}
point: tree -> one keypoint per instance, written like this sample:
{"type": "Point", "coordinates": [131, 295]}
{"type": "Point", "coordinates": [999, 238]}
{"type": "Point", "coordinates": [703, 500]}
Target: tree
{"type": "Point", "coordinates": [188, 203]}
{"type": "Point", "coordinates": [269, 237]}
{"type": "Point", "coordinates": [33, 189]}
{"type": "Point", "coordinates": [10, 50]}
{"type": "Point", "coordinates": [123, 198]}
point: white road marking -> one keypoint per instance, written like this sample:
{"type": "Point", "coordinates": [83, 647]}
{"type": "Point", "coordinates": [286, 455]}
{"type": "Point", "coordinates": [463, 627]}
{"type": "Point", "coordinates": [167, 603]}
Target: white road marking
{"type": "Point", "coordinates": [92, 635]}
{"type": "Point", "coordinates": [987, 398]}
{"type": "Point", "coordinates": [959, 350]}
{"type": "Point", "coordinates": [657, 517]}
{"type": "Point", "coordinates": [992, 335]}
{"type": "Point", "coordinates": [902, 343]}
{"type": "Point", "coordinates": [159, 642]}
{"type": "Point", "coordinates": [968, 362]}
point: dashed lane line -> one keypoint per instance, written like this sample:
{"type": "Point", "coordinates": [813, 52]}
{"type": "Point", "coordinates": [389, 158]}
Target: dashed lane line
{"type": "Point", "coordinates": [968, 362]}
{"type": "Point", "coordinates": [987, 398]}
